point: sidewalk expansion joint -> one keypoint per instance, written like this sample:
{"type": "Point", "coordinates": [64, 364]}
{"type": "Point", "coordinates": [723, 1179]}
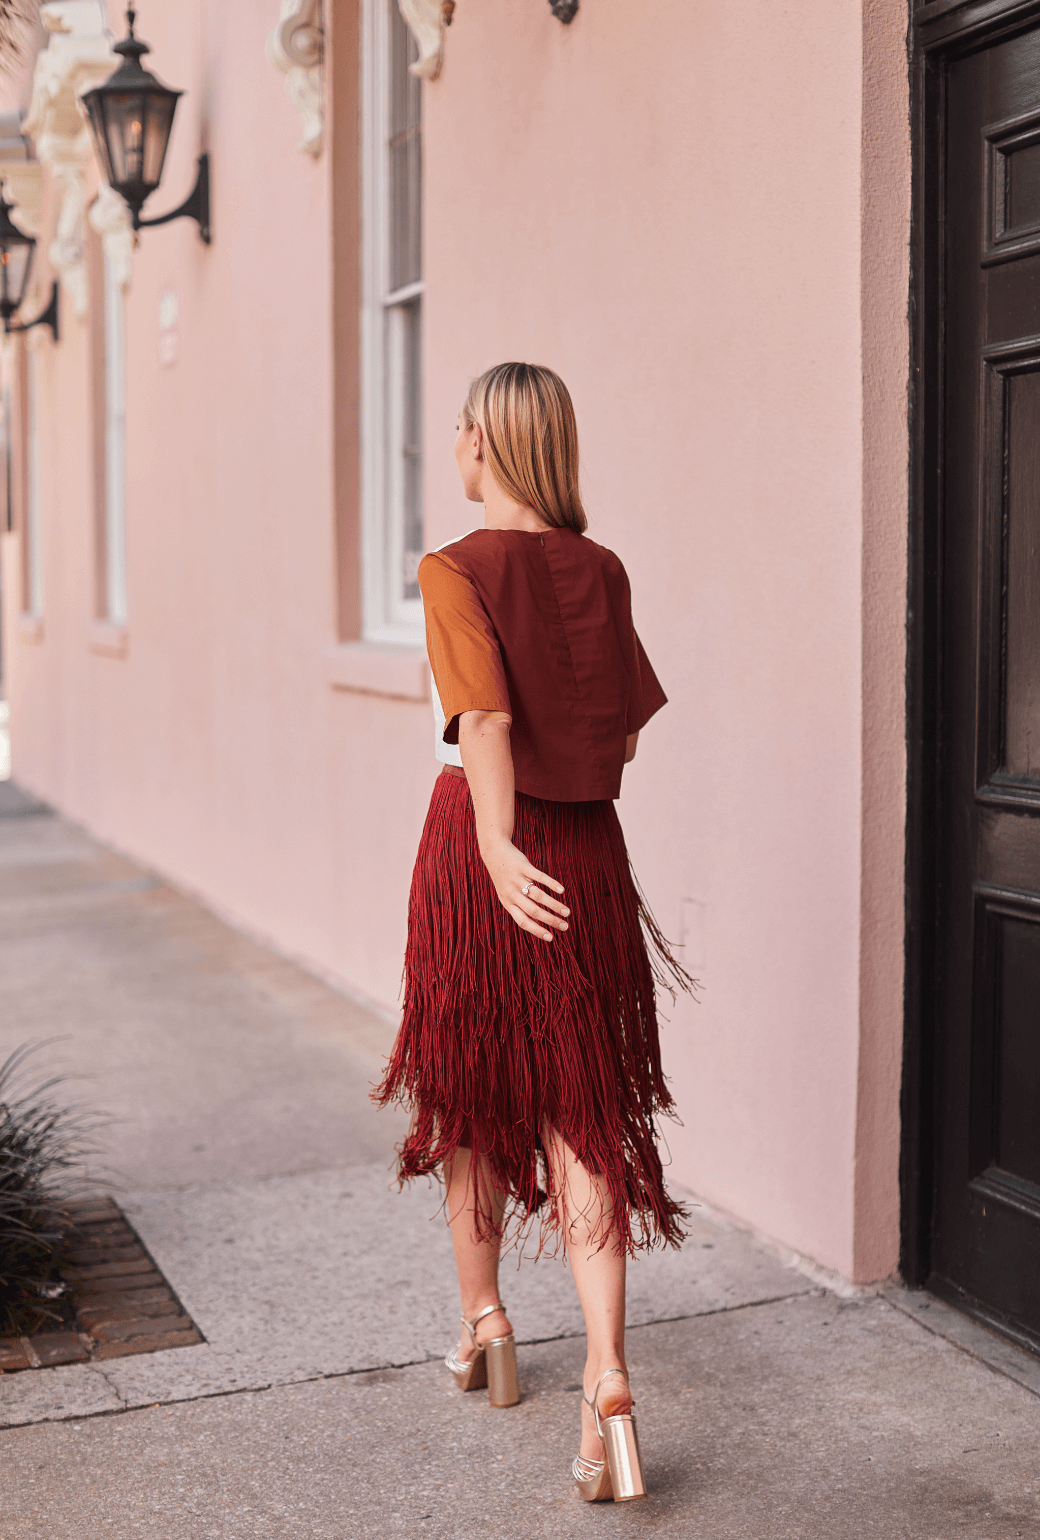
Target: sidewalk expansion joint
{"type": "Point", "coordinates": [375, 1368]}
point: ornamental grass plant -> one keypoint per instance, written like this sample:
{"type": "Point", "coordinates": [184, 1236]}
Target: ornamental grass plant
{"type": "Point", "coordinates": [43, 1146]}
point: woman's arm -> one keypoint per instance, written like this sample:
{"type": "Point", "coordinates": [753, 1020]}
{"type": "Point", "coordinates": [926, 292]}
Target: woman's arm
{"type": "Point", "coordinates": [488, 762]}
{"type": "Point", "coordinates": [630, 747]}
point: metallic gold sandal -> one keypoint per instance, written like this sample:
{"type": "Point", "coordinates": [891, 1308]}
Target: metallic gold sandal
{"type": "Point", "coordinates": [493, 1364]}
{"type": "Point", "coordinates": [620, 1475]}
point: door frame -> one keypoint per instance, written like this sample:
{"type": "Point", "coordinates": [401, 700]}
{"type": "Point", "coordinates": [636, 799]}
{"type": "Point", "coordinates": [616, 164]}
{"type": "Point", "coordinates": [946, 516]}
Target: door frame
{"type": "Point", "coordinates": [939, 29]}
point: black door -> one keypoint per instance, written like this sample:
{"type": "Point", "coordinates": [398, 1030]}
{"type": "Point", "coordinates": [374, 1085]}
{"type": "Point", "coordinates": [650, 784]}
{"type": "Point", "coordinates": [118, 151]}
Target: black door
{"type": "Point", "coordinates": [985, 1068]}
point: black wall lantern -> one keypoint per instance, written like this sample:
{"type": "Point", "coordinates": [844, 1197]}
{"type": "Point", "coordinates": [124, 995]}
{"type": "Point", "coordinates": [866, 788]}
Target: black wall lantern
{"type": "Point", "coordinates": [130, 116]}
{"type": "Point", "coordinates": [16, 254]}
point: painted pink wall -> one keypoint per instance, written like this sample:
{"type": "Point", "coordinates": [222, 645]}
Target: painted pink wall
{"type": "Point", "coordinates": [216, 749]}
{"type": "Point", "coordinates": [885, 285]}
{"type": "Point", "coordinates": [669, 211]}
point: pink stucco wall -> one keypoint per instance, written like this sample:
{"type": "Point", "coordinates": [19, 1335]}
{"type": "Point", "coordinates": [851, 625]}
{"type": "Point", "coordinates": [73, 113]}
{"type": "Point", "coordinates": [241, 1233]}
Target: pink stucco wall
{"type": "Point", "coordinates": [669, 212]}
{"type": "Point", "coordinates": [699, 216]}
{"type": "Point", "coordinates": [216, 749]}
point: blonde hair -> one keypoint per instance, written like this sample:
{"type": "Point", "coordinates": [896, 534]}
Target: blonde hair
{"type": "Point", "coordinates": [530, 439]}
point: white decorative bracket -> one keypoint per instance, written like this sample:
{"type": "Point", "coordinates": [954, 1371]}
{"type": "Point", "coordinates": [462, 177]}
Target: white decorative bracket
{"type": "Point", "coordinates": [110, 217]}
{"type": "Point", "coordinates": [427, 20]}
{"type": "Point", "coordinates": [78, 55]}
{"type": "Point", "coordinates": [297, 48]}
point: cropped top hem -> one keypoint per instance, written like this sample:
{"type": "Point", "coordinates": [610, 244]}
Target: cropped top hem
{"type": "Point", "coordinates": [460, 770]}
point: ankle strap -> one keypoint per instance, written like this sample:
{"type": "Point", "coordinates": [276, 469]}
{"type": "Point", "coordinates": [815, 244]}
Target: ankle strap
{"type": "Point", "coordinates": [595, 1394]}
{"type": "Point", "coordinates": [490, 1310]}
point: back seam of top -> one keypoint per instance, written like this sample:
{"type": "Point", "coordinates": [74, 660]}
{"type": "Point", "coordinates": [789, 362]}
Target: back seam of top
{"type": "Point", "coordinates": [589, 740]}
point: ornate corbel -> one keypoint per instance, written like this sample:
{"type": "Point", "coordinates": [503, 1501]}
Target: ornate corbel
{"type": "Point", "coordinates": [427, 20]}
{"type": "Point", "coordinates": [110, 217]}
{"type": "Point", "coordinates": [78, 55]}
{"type": "Point", "coordinates": [297, 48]}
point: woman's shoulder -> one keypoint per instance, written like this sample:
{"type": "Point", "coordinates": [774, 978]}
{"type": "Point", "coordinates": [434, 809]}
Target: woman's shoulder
{"type": "Point", "coordinates": [609, 560]}
{"type": "Point", "coordinates": [440, 579]}
{"type": "Point", "coordinates": [589, 559]}
{"type": "Point", "coordinates": [442, 559]}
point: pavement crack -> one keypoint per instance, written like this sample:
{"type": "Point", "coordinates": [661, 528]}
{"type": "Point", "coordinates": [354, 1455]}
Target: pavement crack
{"type": "Point", "coordinates": [374, 1368]}
{"type": "Point", "coordinates": [124, 1405]}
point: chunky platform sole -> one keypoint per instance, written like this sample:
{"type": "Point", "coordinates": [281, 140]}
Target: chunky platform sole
{"type": "Point", "coordinates": [624, 1461]}
{"type": "Point", "coordinates": [619, 1476]}
{"type": "Point", "coordinates": [502, 1382]}
{"type": "Point", "coordinates": [493, 1364]}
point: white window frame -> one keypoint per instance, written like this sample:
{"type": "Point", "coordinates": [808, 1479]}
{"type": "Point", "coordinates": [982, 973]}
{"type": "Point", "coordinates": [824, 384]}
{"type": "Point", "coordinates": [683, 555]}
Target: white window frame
{"type": "Point", "coordinates": [386, 617]}
{"type": "Point", "coordinates": [115, 446]}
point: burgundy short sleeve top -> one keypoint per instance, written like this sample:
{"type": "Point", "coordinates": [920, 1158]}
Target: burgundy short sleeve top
{"type": "Point", "coordinates": [539, 626]}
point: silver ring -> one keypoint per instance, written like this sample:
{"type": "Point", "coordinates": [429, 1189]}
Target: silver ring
{"type": "Point", "coordinates": [525, 890]}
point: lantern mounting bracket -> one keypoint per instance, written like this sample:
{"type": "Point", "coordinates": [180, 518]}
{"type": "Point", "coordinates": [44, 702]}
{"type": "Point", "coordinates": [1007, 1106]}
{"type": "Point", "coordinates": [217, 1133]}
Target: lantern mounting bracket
{"type": "Point", "coordinates": [48, 317]}
{"type": "Point", "coordinates": [130, 115]}
{"type": "Point", "coordinates": [195, 205]}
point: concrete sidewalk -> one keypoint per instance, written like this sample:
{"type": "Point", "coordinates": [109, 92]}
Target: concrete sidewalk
{"type": "Point", "coordinates": [258, 1175]}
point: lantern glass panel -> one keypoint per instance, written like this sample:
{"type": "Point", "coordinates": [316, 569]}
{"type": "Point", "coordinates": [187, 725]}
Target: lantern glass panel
{"type": "Point", "coordinates": [124, 136]}
{"type": "Point", "coordinates": [96, 114]}
{"type": "Point", "coordinates": [157, 136]}
{"type": "Point", "coordinates": [14, 273]}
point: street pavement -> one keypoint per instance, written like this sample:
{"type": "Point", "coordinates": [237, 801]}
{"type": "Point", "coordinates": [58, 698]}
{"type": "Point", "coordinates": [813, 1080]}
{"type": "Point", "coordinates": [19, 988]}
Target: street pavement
{"type": "Point", "coordinates": [774, 1402]}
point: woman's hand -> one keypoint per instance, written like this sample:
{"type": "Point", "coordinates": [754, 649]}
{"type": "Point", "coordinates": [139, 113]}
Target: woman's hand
{"type": "Point", "coordinates": [512, 873]}
{"type": "Point", "coordinates": [488, 762]}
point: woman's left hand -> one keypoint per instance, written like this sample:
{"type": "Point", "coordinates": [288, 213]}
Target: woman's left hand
{"type": "Point", "coordinates": [521, 890]}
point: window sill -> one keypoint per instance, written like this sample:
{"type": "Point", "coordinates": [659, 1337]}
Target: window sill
{"type": "Point", "coordinates": [379, 668]}
{"type": "Point", "coordinates": [108, 639]}
{"type": "Point", "coordinates": [30, 628]}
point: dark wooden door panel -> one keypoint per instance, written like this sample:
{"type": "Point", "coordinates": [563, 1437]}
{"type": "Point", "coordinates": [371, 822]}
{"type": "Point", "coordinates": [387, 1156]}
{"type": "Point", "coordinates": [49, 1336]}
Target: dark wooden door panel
{"type": "Point", "coordinates": [1008, 768]}
{"type": "Point", "coordinates": [986, 1210]}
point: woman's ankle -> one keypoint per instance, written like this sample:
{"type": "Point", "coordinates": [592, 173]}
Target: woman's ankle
{"type": "Point", "coordinates": [598, 1382]}
{"type": "Point", "coordinates": [473, 1306]}
{"type": "Point", "coordinates": [495, 1324]}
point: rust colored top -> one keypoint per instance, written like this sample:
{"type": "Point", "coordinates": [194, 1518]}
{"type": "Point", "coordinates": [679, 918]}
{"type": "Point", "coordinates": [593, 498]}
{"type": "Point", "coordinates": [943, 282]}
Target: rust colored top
{"type": "Point", "coordinates": [539, 626]}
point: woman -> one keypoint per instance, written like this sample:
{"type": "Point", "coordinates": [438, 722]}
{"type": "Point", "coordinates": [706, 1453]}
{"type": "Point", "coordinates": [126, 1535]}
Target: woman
{"type": "Point", "coordinates": [528, 1050]}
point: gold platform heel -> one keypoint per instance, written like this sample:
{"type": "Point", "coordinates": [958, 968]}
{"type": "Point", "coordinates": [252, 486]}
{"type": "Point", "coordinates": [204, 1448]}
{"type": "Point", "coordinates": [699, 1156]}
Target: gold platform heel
{"type": "Point", "coordinates": [620, 1475]}
{"type": "Point", "coordinates": [493, 1365]}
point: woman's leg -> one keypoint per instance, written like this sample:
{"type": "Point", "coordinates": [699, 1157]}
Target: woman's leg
{"type": "Point", "coordinates": [586, 1214]}
{"type": "Point", "coordinates": [476, 1259]}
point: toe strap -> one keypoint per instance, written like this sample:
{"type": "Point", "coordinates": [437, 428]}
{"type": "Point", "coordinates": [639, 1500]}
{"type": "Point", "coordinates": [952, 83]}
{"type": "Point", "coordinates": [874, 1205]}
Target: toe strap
{"type": "Point", "coordinates": [584, 1470]}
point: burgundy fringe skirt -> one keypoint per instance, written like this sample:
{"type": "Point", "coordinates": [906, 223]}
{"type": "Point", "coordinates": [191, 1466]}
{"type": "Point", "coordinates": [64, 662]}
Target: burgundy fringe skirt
{"type": "Point", "coordinates": [505, 1035]}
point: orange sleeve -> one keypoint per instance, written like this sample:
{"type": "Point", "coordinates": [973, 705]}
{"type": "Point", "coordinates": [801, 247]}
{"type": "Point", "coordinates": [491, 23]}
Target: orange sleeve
{"type": "Point", "coordinates": [464, 653]}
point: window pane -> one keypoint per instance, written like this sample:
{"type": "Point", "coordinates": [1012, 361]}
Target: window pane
{"type": "Point", "coordinates": [404, 481]}
{"type": "Point", "coordinates": [405, 147]}
{"type": "Point", "coordinates": [411, 452]}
